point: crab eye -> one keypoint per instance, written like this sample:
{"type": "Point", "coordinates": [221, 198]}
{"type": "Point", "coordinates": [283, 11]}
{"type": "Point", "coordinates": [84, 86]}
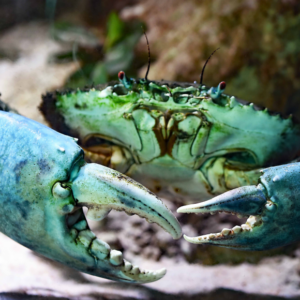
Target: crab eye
{"type": "Point", "coordinates": [222, 85]}
{"type": "Point", "coordinates": [107, 153]}
{"type": "Point", "coordinates": [121, 75]}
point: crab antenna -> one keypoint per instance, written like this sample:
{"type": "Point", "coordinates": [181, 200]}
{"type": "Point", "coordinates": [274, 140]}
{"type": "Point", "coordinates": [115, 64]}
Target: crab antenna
{"type": "Point", "coordinates": [149, 57]}
{"type": "Point", "coordinates": [202, 73]}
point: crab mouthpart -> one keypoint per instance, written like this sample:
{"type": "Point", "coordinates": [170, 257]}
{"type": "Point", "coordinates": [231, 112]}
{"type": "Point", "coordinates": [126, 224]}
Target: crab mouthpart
{"type": "Point", "coordinates": [248, 201]}
{"type": "Point", "coordinates": [101, 189]}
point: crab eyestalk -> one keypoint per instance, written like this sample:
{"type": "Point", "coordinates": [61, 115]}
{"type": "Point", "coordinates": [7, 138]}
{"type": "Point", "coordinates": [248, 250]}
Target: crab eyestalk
{"type": "Point", "coordinates": [216, 92]}
{"type": "Point", "coordinates": [127, 82]}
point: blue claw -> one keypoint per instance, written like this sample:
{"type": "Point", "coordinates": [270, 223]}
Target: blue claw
{"type": "Point", "coordinates": [273, 206]}
{"type": "Point", "coordinates": [45, 182]}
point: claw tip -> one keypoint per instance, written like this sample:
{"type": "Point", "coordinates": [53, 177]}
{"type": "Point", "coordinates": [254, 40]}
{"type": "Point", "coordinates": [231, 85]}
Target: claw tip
{"type": "Point", "coordinates": [191, 239]}
{"type": "Point", "coordinates": [162, 272]}
{"type": "Point", "coordinates": [185, 209]}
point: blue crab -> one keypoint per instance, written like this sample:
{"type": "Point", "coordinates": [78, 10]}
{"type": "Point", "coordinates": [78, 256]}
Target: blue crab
{"type": "Point", "coordinates": [194, 142]}
{"type": "Point", "coordinates": [186, 139]}
{"type": "Point", "coordinates": [44, 184]}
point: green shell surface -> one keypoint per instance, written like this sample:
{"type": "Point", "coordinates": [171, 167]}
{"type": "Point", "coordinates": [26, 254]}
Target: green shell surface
{"type": "Point", "coordinates": [187, 140]}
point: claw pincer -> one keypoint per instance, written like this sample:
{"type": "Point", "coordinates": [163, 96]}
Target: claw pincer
{"type": "Point", "coordinates": [273, 208]}
{"type": "Point", "coordinates": [44, 183]}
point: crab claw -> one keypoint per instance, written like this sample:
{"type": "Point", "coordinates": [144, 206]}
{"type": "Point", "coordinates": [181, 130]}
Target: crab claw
{"type": "Point", "coordinates": [101, 189]}
{"type": "Point", "coordinates": [273, 206]}
{"type": "Point", "coordinates": [44, 184]}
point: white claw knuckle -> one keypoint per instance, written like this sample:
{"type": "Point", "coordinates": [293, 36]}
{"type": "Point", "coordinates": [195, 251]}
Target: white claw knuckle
{"type": "Point", "coordinates": [135, 270]}
{"type": "Point", "coordinates": [60, 192]}
{"type": "Point", "coordinates": [226, 231]}
{"type": "Point", "coordinates": [85, 237]}
{"type": "Point", "coordinates": [237, 229]}
{"type": "Point", "coordinates": [116, 257]}
{"type": "Point", "coordinates": [246, 227]}
{"type": "Point", "coordinates": [127, 265]}
{"type": "Point", "coordinates": [270, 205]}
{"type": "Point", "coordinates": [100, 249]}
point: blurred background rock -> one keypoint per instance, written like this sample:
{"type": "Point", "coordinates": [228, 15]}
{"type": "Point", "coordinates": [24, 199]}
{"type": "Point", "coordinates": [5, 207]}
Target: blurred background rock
{"type": "Point", "coordinates": [45, 45]}
{"type": "Point", "coordinates": [259, 41]}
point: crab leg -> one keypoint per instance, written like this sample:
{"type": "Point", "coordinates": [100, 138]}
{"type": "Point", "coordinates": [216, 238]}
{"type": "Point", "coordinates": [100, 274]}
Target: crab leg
{"type": "Point", "coordinates": [273, 208]}
{"type": "Point", "coordinates": [44, 184]}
